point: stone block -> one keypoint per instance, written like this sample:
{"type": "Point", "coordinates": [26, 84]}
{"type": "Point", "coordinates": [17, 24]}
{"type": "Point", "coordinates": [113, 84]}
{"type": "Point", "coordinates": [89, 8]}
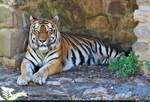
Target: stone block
{"type": "Point", "coordinates": [12, 42]}
{"type": "Point", "coordinates": [125, 37]}
{"type": "Point", "coordinates": [12, 62]}
{"type": "Point", "coordinates": [142, 31]}
{"type": "Point", "coordinates": [142, 15]}
{"type": "Point", "coordinates": [144, 56]}
{"type": "Point", "coordinates": [5, 43]}
{"type": "Point", "coordinates": [145, 70]}
{"type": "Point", "coordinates": [6, 16]}
{"type": "Point", "coordinates": [91, 7]}
{"type": "Point", "coordinates": [97, 22]}
{"type": "Point", "coordinates": [146, 8]}
{"type": "Point", "coordinates": [10, 17]}
{"type": "Point", "coordinates": [140, 46]}
{"type": "Point", "coordinates": [116, 8]}
{"type": "Point", "coordinates": [15, 2]}
{"type": "Point", "coordinates": [142, 49]}
{"type": "Point", "coordinates": [95, 91]}
{"type": "Point", "coordinates": [143, 2]}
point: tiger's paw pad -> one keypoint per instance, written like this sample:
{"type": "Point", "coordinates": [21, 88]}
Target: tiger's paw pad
{"type": "Point", "coordinates": [39, 78]}
{"type": "Point", "coordinates": [23, 80]}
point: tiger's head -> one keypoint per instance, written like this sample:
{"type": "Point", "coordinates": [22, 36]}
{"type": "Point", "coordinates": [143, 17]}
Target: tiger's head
{"type": "Point", "coordinates": [44, 34]}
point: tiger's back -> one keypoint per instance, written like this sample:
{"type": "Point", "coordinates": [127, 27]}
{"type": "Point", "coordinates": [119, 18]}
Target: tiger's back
{"type": "Point", "coordinates": [86, 52]}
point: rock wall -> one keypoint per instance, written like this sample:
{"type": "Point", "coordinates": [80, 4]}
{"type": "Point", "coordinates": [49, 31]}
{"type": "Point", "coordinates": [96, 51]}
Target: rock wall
{"type": "Point", "coordinates": [110, 20]}
{"type": "Point", "coordinates": [13, 38]}
{"type": "Point", "coordinates": [142, 31]}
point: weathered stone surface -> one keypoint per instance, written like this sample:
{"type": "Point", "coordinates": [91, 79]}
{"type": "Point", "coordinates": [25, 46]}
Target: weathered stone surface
{"type": "Point", "coordinates": [116, 8]}
{"type": "Point", "coordinates": [91, 7]}
{"type": "Point", "coordinates": [10, 17]}
{"type": "Point", "coordinates": [98, 22]}
{"type": "Point", "coordinates": [144, 68]}
{"type": "Point", "coordinates": [96, 98]}
{"type": "Point", "coordinates": [15, 2]}
{"type": "Point", "coordinates": [12, 42]}
{"type": "Point", "coordinates": [143, 2]}
{"type": "Point", "coordinates": [107, 97]}
{"type": "Point", "coordinates": [142, 15]}
{"type": "Point", "coordinates": [144, 56]}
{"type": "Point", "coordinates": [53, 83]}
{"type": "Point", "coordinates": [142, 31]}
{"type": "Point", "coordinates": [145, 8]}
{"type": "Point", "coordinates": [79, 80]}
{"type": "Point", "coordinates": [141, 91]}
{"type": "Point", "coordinates": [70, 90]}
{"type": "Point", "coordinates": [126, 37]}
{"type": "Point", "coordinates": [95, 91]}
{"type": "Point", "coordinates": [13, 38]}
{"type": "Point", "coordinates": [13, 62]}
{"type": "Point", "coordinates": [62, 79]}
{"type": "Point", "coordinates": [6, 17]}
{"type": "Point", "coordinates": [103, 81]}
{"type": "Point", "coordinates": [47, 92]}
{"type": "Point", "coordinates": [5, 42]}
{"type": "Point", "coordinates": [139, 82]}
{"type": "Point", "coordinates": [123, 96]}
{"type": "Point", "coordinates": [136, 90]}
{"type": "Point", "coordinates": [104, 97]}
{"type": "Point", "coordinates": [140, 46]}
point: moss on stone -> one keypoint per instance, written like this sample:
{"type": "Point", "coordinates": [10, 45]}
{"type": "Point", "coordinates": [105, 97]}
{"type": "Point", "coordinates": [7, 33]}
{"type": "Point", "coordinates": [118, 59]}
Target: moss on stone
{"type": "Point", "coordinates": [1, 1]}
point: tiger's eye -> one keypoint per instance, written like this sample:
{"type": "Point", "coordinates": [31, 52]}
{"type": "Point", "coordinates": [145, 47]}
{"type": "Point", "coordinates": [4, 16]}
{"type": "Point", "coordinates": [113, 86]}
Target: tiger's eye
{"type": "Point", "coordinates": [51, 30]}
{"type": "Point", "coordinates": [52, 38]}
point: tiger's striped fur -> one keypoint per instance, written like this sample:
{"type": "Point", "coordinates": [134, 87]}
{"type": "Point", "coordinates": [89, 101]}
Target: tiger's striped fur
{"type": "Point", "coordinates": [50, 52]}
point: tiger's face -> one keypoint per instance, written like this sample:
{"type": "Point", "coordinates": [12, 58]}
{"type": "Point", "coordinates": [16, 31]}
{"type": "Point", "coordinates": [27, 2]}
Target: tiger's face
{"type": "Point", "coordinates": [43, 33]}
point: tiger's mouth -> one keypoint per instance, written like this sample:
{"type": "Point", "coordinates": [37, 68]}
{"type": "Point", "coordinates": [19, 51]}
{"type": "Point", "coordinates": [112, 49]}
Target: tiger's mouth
{"type": "Point", "coordinates": [43, 48]}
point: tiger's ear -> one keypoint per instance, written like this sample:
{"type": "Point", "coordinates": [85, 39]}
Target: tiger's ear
{"type": "Point", "coordinates": [55, 19]}
{"type": "Point", "coordinates": [32, 19]}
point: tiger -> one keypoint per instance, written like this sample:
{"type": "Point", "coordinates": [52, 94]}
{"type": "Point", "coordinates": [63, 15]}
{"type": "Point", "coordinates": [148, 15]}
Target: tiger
{"type": "Point", "coordinates": [50, 52]}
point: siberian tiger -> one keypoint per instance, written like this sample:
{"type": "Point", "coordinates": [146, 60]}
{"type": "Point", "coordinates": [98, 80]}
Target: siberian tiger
{"type": "Point", "coordinates": [50, 52]}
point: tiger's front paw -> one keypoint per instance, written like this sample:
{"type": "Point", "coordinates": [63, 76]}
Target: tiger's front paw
{"type": "Point", "coordinates": [23, 80]}
{"type": "Point", "coordinates": [39, 78]}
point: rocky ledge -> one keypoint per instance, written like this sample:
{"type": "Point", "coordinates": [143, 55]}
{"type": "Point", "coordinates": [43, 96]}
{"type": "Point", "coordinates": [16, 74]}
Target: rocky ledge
{"type": "Point", "coordinates": [82, 83]}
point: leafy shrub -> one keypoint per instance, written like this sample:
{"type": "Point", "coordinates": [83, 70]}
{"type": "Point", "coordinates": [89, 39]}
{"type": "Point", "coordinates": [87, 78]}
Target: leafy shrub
{"type": "Point", "coordinates": [126, 66]}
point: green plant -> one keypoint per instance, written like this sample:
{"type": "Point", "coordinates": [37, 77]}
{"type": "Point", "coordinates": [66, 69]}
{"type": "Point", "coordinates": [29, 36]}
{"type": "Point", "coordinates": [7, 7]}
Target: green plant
{"type": "Point", "coordinates": [147, 64]}
{"type": "Point", "coordinates": [126, 66]}
{"type": "Point", "coordinates": [8, 95]}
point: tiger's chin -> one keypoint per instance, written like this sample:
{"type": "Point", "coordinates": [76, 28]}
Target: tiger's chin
{"type": "Point", "coordinates": [43, 49]}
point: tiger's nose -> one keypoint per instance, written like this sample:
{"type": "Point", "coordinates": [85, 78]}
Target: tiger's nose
{"type": "Point", "coordinates": [42, 41]}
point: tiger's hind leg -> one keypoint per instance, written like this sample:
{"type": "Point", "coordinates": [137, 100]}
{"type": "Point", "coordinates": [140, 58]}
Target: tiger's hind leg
{"type": "Point", "coordinates": [116, 58]}
{"type": "Point", "coordinates": [26, 72]}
